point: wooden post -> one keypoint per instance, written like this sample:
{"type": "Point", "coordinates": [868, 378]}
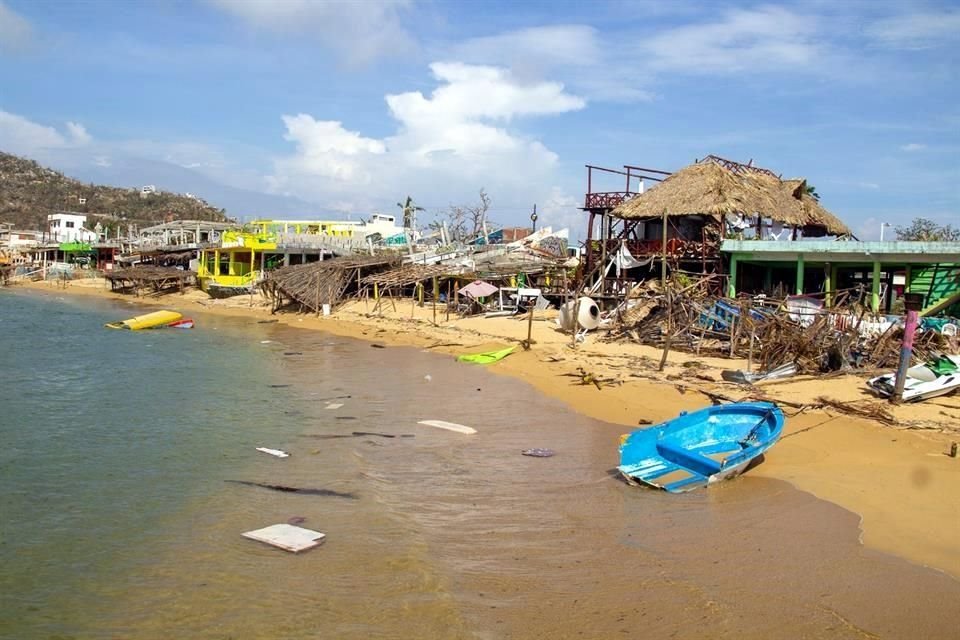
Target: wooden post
{"type": "Point", "coordinates": [448, 302]}
{"type": "Point", "coordinates": [669, 337]}
{"type": "Point", "coordinates": [604, 233]}
{"type": "Point", "coordinates": [913, 302]}
{"type": "Point", "coordinates": [576, 322]}
{"type": "Point", "coordinates": [529, 328]}
{"type": "Point", "coordinates": [663, 257]}
{"type": "Point", "coordinates": [436, 294]}
{"type": "Point", "coordinates": [319, 280]}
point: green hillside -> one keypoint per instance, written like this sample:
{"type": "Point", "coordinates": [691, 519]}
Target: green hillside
{"type": "Point", "coordinates": [29, 192]}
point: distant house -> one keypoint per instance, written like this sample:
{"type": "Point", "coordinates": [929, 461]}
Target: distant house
{"type": "Point", "coordinates": [69, 227]}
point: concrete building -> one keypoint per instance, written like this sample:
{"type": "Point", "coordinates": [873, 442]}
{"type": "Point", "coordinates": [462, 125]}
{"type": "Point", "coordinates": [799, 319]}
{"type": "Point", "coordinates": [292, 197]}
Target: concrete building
{"type": "Point", "coordinates": [886, 269]}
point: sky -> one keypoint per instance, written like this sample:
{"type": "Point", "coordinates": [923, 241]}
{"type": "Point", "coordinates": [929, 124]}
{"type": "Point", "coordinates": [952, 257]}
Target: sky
{"type": "Point", "coordinates": [295, 108]}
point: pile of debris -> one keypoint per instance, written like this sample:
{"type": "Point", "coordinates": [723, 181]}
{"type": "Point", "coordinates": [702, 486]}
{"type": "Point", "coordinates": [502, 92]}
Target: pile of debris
{"type": "Point", "coordinates": [771, 333]}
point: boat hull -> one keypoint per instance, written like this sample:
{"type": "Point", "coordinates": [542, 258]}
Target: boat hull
{"type": "Point", "coordinates": [146, 321]}
{"type": "Point", "coordinates": [700, 448]}
{"type": "Point", "coordinates": [921, 383]}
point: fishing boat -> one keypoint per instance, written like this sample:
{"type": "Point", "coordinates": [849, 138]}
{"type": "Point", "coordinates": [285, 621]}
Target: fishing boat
{"type": "Point", "coordinates": [699, 448]}
{"type": "Point", "coordinates": [935, 378]}
{"type": "Point", "coordinates": [147, 321]}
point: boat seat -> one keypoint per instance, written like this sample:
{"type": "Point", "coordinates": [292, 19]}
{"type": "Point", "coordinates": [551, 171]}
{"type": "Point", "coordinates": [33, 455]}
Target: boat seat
{"type": "Point", "coordinates": [693, 461]}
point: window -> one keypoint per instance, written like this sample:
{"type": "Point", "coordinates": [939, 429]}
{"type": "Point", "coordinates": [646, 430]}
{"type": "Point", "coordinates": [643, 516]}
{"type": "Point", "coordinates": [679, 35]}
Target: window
{"type": "Point", "coordinates": [69, 224]}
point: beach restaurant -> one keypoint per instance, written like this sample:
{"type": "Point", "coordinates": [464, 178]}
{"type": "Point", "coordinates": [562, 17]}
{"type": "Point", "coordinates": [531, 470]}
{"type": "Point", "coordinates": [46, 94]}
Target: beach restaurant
{"type": "Point", "coordinates": [886, 270]}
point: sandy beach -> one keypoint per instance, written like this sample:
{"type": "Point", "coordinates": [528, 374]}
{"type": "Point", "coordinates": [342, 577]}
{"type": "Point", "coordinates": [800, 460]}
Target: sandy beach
{"type": "Point", "coordinates": [898, 478]}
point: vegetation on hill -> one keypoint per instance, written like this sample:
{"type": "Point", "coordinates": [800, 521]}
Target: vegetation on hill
{"type": "Point", "coordinates": [29, 192]}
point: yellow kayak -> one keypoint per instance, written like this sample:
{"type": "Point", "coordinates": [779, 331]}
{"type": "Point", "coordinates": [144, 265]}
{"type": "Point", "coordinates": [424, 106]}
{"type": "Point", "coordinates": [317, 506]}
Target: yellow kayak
{"type": "Point", "coordinates": [147, 321]}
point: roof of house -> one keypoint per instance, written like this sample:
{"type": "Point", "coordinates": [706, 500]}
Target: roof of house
{"type": "Point", "coordinates": [716, 187]}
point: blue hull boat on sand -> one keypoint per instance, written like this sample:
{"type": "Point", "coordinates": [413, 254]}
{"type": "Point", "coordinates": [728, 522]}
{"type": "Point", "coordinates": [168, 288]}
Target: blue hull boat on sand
{"type": "Point", "coordinates": [695, 449]}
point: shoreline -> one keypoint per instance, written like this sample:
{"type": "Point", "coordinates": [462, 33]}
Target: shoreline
{"type": "Point", "coordinates": [901, 484]}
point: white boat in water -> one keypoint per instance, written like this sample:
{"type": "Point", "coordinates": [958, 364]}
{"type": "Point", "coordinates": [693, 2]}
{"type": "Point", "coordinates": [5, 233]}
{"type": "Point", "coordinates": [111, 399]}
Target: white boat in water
{"type": "Point", "coordinates": [936, 378]}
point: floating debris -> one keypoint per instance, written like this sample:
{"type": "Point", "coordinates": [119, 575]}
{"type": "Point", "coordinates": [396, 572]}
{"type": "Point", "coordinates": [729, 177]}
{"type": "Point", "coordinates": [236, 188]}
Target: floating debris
{"type": "Point", "coordinates": [274, 452]}
{"type": "Point", "coordinates": [334, 405]}
{"type": "Point", "coordinates": [287, 537]}
{"type": "Point", "coordinates": [538, 453]}
{"type": "Point", "coordinates": [293, 353]}
{"type": "Point", "coordinates": [301, 490]}
{"type": "Point", "coordinates": [449, 426]}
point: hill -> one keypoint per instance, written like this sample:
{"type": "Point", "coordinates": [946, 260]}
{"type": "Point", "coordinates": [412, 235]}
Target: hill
{"type": "Point", "coordinates": [29, 192]}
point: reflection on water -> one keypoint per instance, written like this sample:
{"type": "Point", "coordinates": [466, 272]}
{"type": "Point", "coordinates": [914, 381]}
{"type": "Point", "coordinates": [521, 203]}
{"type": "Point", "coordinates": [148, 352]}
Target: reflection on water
{"type": "Point", "coordinates": [135, 533]}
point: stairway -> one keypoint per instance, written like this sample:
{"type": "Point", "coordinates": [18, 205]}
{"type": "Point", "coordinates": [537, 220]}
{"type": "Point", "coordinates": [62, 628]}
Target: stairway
{"type": "Point", "coordinates": [940, 284]}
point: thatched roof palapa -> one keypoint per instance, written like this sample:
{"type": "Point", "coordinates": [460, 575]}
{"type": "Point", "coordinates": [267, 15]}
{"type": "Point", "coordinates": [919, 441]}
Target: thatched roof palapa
{"type": "Point", "coordinates": [816, 215]}
{"type": "Point", "coordinates": [715, 187]}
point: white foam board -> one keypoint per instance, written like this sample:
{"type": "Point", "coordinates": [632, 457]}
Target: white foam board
{"type": "Point", "coordinates": [287, 537]}
{"type": "Point", "coordinates": [274, 452]}
{"type": "Point", "coordinates": [449, 426]}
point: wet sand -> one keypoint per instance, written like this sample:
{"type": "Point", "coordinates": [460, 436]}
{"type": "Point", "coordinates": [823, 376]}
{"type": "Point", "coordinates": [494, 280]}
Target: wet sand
{"type": "Point", "coordinates": [456, 536]}
{"type": "Point", "coordinates": [901, 483]}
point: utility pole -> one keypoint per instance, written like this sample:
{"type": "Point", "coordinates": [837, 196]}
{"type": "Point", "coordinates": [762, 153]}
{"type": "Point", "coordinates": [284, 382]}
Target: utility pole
{"type": "Point", "coordinates": [533, 217]}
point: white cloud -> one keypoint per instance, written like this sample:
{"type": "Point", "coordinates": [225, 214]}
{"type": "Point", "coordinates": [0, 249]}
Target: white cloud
{"type": "Point", "coordinates": [576, 45]}
{"type": "Point", "coordinates": [763, 39]}
{"type": "Point", "coordinates": [913, 146]}
{"type": "Point", "coordinates": [917, 30]}
{"type": "Point", "coordinates": [357, 31]}
{"type": "Point", "coordinates": [15, 31]}
{"type": "Point", "coordinates": [21, 136]}
{"type": "Point", "coordinates": [576, 53]}
{"type": "Point", "coordinates": [447, 144]}
{"type": "Point", "coordinates": [560, 210]}
{"type": "Point", "coordinates": [78, 133]}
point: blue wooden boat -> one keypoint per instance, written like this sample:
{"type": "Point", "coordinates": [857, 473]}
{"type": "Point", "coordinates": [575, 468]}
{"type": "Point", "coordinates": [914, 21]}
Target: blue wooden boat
{"type": "Point", "coordinates": [695, 449]}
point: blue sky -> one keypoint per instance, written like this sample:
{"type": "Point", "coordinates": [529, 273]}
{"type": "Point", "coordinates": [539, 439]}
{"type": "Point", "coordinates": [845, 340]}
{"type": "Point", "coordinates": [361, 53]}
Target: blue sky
{"type": "Point", "coordinates": [273, 107]}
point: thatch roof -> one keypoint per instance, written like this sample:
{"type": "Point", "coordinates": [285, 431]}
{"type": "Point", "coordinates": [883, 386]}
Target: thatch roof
{"type": "Point", "coordinates": [816, 215]}
{"type": "Point", "coordinates": [713, 189]}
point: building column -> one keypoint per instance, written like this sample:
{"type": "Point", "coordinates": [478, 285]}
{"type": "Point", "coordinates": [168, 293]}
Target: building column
{"type": "Point", "coordinates": [800, 268]}
{"type": "Point", "coordinates": [907, 276]}
{"type": "Point", "coordinates": [732, 282]}
{"type": "Point", "coordinates": [875, 287]}
{"type": "Point", "coordinates": [828, 284]}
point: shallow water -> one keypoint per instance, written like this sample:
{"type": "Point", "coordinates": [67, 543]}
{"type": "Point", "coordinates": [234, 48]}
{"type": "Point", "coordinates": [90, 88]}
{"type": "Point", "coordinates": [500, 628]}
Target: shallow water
{"type": "Point", "coordinates": [118, 523]}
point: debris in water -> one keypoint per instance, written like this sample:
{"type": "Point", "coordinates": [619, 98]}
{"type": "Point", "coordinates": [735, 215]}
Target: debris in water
{"type": "Point", "coordinates": [266, 341]}
{"type": "Point", "coordinates": [538, 453]}
{"type": "Point", "coordinates": [428, 377]}
{"type": "Point", "coordinates": [274, 452]}
{"type": "Point", "coordinates": [304, 491]}
{"type": "Point", "coordinates": [267, 321]}
{"type": "Point", "coordinates": [293, 353]}
{"type": "Point", "coordinates": [377, 345]}
{"type": "Point", "coordinates": [449, 426]}
{"type": "Point", "coordinates": [334, 405]}
{"type": "Point", "coordinates": [287, 537]}
{"type": "Point", "coordinates": [278, 386]}
{"type": "Point", "coordinates": [345, 418]}
{"type": "Point", "coordinates": [355, 434]}
{"type": "Point", "coordinates": [295, 520]}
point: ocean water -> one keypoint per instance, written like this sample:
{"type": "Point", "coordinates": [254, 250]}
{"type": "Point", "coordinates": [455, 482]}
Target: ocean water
{"type": "Point", "coordinates": [118, 517]}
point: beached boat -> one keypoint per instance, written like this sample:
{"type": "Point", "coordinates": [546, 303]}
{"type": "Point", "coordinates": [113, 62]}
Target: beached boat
{"type": "Point", "coordinates": [147, 321]}
{"type": "Point", "coordinates": [936, 378]}
{"type": "Point", "coordinates": [695, 449]}
{"type": "Point", "coordinates": [186, 323]}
